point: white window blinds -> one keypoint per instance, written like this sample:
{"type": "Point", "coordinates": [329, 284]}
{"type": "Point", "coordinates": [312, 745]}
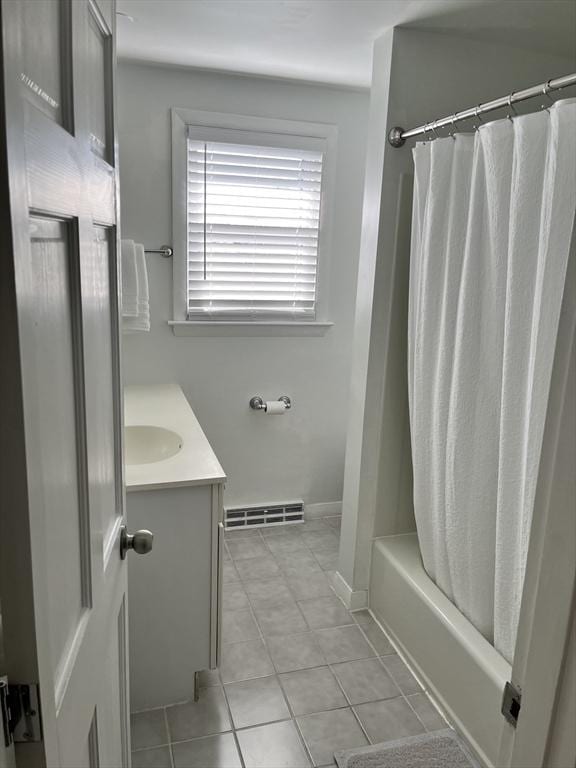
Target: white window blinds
{"type": "Point", "coordinates": [253, 225]}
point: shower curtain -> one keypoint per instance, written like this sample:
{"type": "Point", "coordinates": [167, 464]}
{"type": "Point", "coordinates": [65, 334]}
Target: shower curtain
{"type": "Point", "coordinates": [491, 234]}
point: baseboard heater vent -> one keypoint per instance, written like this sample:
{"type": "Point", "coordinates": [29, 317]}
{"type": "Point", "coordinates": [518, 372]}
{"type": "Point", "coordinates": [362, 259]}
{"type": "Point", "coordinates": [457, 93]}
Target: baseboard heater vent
{"type": "Point", "coordinates": [258, 517]}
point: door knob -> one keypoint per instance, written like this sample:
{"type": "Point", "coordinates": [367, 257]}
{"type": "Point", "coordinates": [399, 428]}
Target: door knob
{"type": "Point", "coordinates": [141, 541]}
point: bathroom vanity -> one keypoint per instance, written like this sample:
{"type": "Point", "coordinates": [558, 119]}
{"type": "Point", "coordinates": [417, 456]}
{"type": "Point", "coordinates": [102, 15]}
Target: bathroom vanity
{"type": "Point", "coordinates": [174, 486]}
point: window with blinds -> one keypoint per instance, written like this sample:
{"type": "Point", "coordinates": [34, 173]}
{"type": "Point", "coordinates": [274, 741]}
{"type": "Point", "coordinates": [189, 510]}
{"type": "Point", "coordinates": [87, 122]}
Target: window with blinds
{"type": "Point", "coordinates": [253, 227]}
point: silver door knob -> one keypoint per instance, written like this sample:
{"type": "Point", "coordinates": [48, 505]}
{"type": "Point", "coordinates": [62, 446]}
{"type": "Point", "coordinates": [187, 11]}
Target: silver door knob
{"type": "Point", "coordinates": [141, 542]}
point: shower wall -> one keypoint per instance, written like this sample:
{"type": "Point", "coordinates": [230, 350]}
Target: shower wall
{"type": "Point", "coordinates": [411, 70]}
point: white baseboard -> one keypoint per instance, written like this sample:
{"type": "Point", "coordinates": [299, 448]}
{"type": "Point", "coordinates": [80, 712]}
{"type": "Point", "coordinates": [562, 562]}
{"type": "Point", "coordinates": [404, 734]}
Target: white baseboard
{"type": "Point", "coordinates": [327, 509]}
{"type": "Point", "coordinates": [354, 600]}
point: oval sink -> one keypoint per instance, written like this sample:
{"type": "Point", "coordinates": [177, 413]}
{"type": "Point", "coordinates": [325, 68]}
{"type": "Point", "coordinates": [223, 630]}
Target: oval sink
{"type": "Point", "coordinates": [146, 445]}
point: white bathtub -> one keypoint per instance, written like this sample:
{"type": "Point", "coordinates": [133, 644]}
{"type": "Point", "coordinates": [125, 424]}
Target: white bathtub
{"type": "Point", "coordinates": [453, 661]}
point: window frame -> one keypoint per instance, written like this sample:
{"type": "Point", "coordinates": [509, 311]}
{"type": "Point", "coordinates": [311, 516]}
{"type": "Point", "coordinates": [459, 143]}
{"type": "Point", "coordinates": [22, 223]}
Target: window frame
{"type": "Point", "coordinates": [245, 129]}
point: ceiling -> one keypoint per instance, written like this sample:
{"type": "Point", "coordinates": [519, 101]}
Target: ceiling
{"type": "Point", "coordinates": [323, 40]}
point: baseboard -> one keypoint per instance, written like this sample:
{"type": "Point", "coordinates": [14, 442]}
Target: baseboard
{"type": "Point", "coordinates": [326, 509]}
{"type": "Point", "coordinates": [354, 600]}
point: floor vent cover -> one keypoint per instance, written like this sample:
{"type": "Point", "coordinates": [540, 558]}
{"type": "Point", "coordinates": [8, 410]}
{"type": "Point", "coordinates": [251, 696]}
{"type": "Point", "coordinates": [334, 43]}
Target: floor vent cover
{"type": "Point", "coordinates": [258, 517]}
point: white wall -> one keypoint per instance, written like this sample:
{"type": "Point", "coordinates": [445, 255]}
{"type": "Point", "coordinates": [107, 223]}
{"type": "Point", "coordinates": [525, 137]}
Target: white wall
{"type": "Point", "coordinates": [301, 454]}
{"type": "Point", "coordinates": [417, 76]}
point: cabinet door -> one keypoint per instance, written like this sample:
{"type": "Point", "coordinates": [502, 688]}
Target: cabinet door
{"type": "Point", "coordinates": [170, 607]}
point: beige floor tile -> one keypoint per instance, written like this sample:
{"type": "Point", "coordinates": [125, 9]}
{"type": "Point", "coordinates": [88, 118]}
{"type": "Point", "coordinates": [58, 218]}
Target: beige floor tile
{"type": "Point", "coordinates": [159, 757]}
{"type": "Point", "coordinates": [388, 720]}
{"type": "Point", "coordinates": [401, 675]}
{"type": "Point", "coordinates": [148, 729]}
{"type": "Point", "coordinates": [210, 752]}
{"type": "Point", "coordinates": [365, 680]}
{"type": "Point", "coordinates": [238, 626]}
{"type": "Point", "coordinates": [244, 661]}
{"type": "Point", "coordinates": [273, 746]}
{"type": "Point", "coordinates": [324, 612]}
{"type": "Point", "coordinates": [427, 712]}
{"type": "Point", "coordinates": [312, 690]}
{"type": "Point", "coordinates": [295, 652]}
{"type": "Point", "coordinates": [284, 619]}
{"type": "Point", "coordinates": [255, 702]}
{"type": "Point", "coordinates": [327, 732]}
{"type": "Point", "coordinates": [205, 717]}
{"type": "Point", "coordinates": [343, 644]}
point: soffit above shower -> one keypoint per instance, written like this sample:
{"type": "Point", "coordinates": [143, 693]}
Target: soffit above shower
{"type": "Point", "coordinates": [326, 41]}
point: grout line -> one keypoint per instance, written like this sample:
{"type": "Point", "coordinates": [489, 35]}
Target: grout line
{"type": "Point", "coordinates": [378, 655]}
{"type": "Point", "coordinates": [201, 738]}
{"type": "Point", "coordinates": [364, 731]}
{"type": "Point", "coordinates": [229, 710]}
{"type": "Point", "coordinates": [416, 713]}
{"type": "Point", "coordinates": [398, 653]}
{"type": "Point", "coordinates": [437, 708]}
{"type": "Point", "coordinates": [149, 709]}
{"type": "Point", "coordinates": [239, 749]}
{"type": "Point", "coordinates": [293, 716]}
{"type": "Point", "coordinates": [152, 746]}
{"type": "Point", "coordinates": [425, 694]}
{"type": "Point", "coordinates": [303, 741]}
{"type": "Point", "coordinates": [169, 737]}
{"type": "Point", "coordinates": [391, 676]}
{"type": "Point", "coordinates": [351, 706]}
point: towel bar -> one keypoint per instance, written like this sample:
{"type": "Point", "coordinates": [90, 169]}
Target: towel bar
{"type": "Point", "coordinates": [165, 250]}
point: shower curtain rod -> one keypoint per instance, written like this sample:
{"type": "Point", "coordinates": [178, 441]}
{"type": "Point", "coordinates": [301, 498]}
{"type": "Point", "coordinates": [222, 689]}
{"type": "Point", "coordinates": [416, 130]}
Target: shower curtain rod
{"type": "Point", "coordinates": [397, 136]}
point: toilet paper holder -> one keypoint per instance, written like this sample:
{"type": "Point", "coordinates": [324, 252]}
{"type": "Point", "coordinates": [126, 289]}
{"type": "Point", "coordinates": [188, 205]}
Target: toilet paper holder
{"type": "Point", "coordinates": [257, 403]}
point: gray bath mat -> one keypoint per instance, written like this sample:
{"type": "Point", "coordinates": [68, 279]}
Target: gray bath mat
{"type": "Point", "coordinates": [442, 749]}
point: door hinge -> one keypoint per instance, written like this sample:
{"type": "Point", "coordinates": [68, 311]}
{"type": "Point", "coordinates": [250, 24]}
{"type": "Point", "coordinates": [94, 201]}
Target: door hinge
{"type": "Point", "coordinates": [511, 703]}
{"type": "Point", "coordinates": [20, 705]}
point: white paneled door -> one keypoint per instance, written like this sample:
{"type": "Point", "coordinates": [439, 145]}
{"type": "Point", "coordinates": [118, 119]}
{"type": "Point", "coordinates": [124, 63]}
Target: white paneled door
{"type": "Point", "coordinates": [63, 582]}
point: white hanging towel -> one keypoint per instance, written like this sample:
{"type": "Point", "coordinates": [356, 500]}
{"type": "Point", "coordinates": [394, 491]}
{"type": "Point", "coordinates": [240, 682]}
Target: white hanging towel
{"type": "Point", "coordinates": [129, 279]}
{"type": "Point", "coordinates": [141, 320]}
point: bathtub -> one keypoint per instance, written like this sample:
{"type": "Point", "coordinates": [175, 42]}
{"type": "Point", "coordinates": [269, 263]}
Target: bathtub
{"type": "Point", "coordinates": [452, 660]}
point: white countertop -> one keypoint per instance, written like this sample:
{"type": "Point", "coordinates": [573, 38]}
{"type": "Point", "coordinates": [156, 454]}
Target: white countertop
{"type": "Point", "coordinates": [164, 405]}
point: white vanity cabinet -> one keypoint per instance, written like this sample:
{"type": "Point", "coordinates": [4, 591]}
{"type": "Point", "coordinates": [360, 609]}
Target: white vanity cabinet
{"type": "Point", "coordinates": [174, 592]}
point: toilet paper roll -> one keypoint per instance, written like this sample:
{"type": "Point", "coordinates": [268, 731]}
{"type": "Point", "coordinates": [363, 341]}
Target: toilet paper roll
{"type": "Point", "coordinates": [275, 408]}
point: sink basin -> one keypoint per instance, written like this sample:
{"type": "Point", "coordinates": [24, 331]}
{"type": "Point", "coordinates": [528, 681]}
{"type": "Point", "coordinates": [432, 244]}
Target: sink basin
{"type": "Point", "coordinates": [146, 444]}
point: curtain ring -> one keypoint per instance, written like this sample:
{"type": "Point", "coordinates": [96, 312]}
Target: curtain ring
{"type": "Point", "coordinates": [511, 107]}
{"type": "Point", "coordinates": [453, 121]}
{"type": "Point", "coordinates": [428, 129]}
{"type": "Point", "coordinates": [434, 131]}
{"type": "Point", "coordinates": [477, 115]}
{"type": "Point", "coordinates": [545, 92]}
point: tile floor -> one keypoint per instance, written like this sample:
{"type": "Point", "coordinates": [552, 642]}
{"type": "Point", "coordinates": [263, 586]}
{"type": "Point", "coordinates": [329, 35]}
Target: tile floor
{"type": "Point", "coordinates": [300, 677]}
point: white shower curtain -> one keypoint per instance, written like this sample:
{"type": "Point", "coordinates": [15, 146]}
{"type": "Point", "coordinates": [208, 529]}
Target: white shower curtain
{"type": "Point", "coordinates": [491, 232]}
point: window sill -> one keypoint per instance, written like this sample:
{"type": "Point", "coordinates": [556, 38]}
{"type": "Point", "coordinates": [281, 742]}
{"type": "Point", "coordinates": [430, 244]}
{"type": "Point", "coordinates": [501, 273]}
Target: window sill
{"type": "Point", "coordinates": [253, 328]}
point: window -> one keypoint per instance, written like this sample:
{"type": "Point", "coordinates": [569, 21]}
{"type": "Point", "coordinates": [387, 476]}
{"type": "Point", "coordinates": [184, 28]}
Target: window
{"type": "Point", "coordinates": [251, 207]}
{"type": "Point", "coordinates": [253, 230]}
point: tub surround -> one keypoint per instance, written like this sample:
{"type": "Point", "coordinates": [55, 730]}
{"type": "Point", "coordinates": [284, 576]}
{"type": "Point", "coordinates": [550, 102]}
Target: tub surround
{"type": "Point", "coordinates": [175, 591]}
{"type": "Point", "coordinates": [165, 406]}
